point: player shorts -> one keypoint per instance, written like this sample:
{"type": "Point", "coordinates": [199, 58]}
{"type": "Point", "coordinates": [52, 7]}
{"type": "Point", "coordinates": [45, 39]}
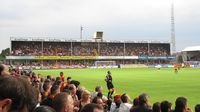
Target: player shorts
{"type": "Point", "coordinates": [110, 86]}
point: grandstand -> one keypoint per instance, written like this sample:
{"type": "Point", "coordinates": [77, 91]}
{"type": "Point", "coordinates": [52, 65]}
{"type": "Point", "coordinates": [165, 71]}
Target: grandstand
{"type": "Point", "coordinates": [190, 55]}
{"type": "Point", "coordinates": [61, 53]}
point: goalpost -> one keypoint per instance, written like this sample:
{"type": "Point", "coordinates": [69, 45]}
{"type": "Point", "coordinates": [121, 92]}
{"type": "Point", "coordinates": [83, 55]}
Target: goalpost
{"type": "Point", "coordinates": [105, 64]}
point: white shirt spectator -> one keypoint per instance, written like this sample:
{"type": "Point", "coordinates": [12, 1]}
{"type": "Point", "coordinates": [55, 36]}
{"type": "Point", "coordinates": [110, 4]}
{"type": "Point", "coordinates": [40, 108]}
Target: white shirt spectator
{"type": "Point", "coordinates": [112, 107]}
{"type": "Point", "coordinates": [93, 95]}
{"type": "Point", "coordinates": [125, 107]}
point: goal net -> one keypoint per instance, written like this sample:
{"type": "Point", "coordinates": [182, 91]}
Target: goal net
{"type": "Point", "coordinates": [105, 64]}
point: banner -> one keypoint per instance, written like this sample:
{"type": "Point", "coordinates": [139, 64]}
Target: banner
{"type": "Point", "coordinates": [88, 57]}
{"type": "Point", "coordinates": [161, 66]}
{"type": "Point", "coordinates": [117, 57]}
{"type": "Point", "coordinates": [156, 57]}
{"type": "Point", "coordinates": [63, 57]}
{"type": "Point", "coordinates": [134, 66]}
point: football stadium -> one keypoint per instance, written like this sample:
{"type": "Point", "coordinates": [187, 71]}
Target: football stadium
{"type": "Point", "coordinates": [136, 67]}
{"type": "Point", "coordinates": [42, 74]}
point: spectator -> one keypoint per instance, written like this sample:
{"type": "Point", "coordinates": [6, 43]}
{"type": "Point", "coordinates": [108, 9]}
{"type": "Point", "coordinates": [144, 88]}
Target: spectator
{"type": "Point", "coordinates": [125, 105]}
{"type": "Point", "coordinates": [85, 99]}
{"type": "Point", "coordinates": [88, 49]}
{"type": "Point", "coordinates": [73, 90]}
{"type": "Point", "coordinates": [27, 79]}
{"type": "Point", "coordinates": [49, 100]}
{"type": "Point", "coordinates": [92, 108]}
{"type": "Point", "coordinates": [197, 108]}
{"type": "Point", "coordinates": [4, 70]}
{"type": "Point", "coordinates": [99, 89]}
{"type": "Point", "coordinates": [39, 97]}
{"type": "Point", "coordinates": [143, 104]}
{"type": "Point", "coordinates": [165, 106]}
{"type": "Point", "coordinates": [98, 100]}
{"type": "Point", "coordinates": [69, 79]}
{"type": "Point", "coordinates": [135, 103]}
{"type": "Point", "coordinates": [108, 104]}
{"type": "Point", "coordinates": [181, 105]}
{"type": "Point", "coordinates": [63, 102]}
{"type": "Point", "coordinates": [117, 103]}
{"type": "Point", "coordinates": [62, 77]}
{"type": "Point", "coordinates": [156, 107]}
{"type": "Point", "coordinates": [41, 84]}
{"type": "Point", "coordinates": [44, 109]}
{"type": "Point", "coordinates": [46, 88]}
{"type": "Point", "coordinates": [49, 77]}
{"type": "Point", "coordinates": [117, 98]}
{"type": "Point", "coordinates": [36, 84]}
{"type": "Point", "coordinates": [78, 89]}
{"type": "Point", "coordinates": [16, 94]}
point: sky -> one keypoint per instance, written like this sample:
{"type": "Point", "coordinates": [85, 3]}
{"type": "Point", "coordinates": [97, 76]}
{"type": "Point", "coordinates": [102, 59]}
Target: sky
{"type": "Point", "coordinates": [118, 19]}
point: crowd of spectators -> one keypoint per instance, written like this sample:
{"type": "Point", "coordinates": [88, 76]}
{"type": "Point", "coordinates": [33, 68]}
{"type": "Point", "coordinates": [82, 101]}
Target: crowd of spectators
{"type": "Point", "coordinates": [88, 49]}
{"type": "Point", "coordinates": [22, 91]}
{"type": "Point", "coordinates": [81, 63]}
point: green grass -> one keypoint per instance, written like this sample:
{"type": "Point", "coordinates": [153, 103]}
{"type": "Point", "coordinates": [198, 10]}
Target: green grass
{"type": "Point", "coordinates": [159, 84]}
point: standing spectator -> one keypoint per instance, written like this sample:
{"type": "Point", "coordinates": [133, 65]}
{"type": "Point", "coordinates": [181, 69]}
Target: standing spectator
{"type": "Point", "coordinates": [69, 79]}
{"type": "Point", "coordinates": [92, 108]}
{"type": "Point", "coordinates": [4, 70]}
{"type": "Point", "coordinates": [62, 77]}
{"type": "Point", "coordinates": [125, 105]}
{"type": "Point", "coordinates": [156, 107]}
{"type": "Point", "coordinates": [99, 89]}
{"type": "Point", "coordinates": [49, 100]}
{"type": "Point", "coordinates": [135, 103]}
{"type": "Point", "coordinates": [16, 95]}
{"type": "Point", "coordinates": [98, 100]}
{"type": "Point", "coordinates": [73, 90]}
{"type": "Point", "coordinates": [36, 84]}
{"type": "Point", "coordinates": [49, 77]}
{"type": "Point", "coordinates": [41, 84]}
{"type": "Point", "coordinates": [44, 109]}
{"type": "Point", "coordinates": [26, 78]}
{"type": "Point", "coordinates": [143, 104]}
{"type": "Point", "coordinates": [117, 98]}
{"type": "Point", "coordinates": [165, 106]}
{"type": "Point", "coordinates": [117, 108]}
{"type": "Point", "coordinates": [85, 99]}
{"type": "Point", "coordinates": [197, 108]}
{"type": "Point", "coordinates": [63, 102]}
{"type": "Point", "coordinates": [47, 88]}
{"type": "Point", "coordinates": [78, 89]}
{"type": "Point", "coordinates": [181, 105]}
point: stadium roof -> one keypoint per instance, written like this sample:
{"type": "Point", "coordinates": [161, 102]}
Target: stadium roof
{"type": "Point", "coordinates": [77, 40]}
{"type": "Point", "coordinates": [192, 48]}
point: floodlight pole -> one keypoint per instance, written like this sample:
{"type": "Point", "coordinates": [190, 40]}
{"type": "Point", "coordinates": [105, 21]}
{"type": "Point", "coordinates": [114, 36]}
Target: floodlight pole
{"type": "Point", "coordinates": [42, 52]}
{"type": "Point", "coordinates": [173, 39]}
{"type": "Point", "coordinates": [81, 32]}
{"type": "Point", "coordinates": [71, 47]}
{"type": "Point", "coordinates": [124, 48]}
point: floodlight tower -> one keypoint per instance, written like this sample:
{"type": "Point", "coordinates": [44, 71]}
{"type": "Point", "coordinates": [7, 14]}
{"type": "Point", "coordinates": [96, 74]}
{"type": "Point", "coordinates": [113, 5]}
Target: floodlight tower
{"type": "Point", "coordinates": [173, 39]}
{"type": "Point", "coordinates": [81, 32]}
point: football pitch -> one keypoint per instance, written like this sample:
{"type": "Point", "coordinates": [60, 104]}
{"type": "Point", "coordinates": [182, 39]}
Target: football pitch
{"type": "Point", "coordinates": [160, 85]}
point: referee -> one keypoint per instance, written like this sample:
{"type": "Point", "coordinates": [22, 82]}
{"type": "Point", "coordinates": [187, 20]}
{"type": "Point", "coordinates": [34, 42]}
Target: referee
{"type": "Point", "coordinates": [110, 86]}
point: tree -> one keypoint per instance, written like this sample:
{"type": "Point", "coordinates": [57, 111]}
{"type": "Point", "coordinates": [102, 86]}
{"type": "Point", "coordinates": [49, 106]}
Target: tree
{"type": "Point", "coordinates": [4, 53]}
